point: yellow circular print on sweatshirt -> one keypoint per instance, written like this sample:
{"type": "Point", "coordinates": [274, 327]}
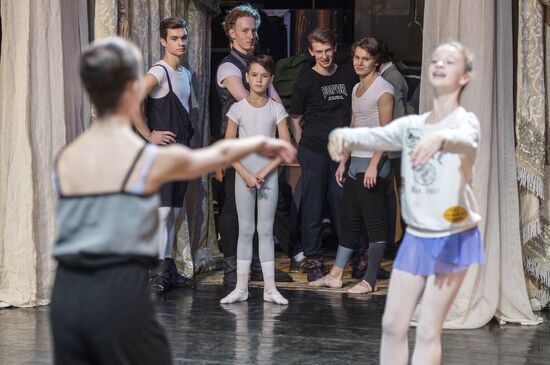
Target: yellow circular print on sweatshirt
{"type": "Point", "coordinates": [455, 214]}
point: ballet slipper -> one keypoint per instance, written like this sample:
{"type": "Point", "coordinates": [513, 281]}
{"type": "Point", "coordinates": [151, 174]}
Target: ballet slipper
{"type": "Point", "coordinates": [236, 295]}
{"type": "Point", "coordinates": [326, 281]}
{"type": "Point", "coordinates": [362, 287]}
{"type": "Point", "coordinates": [274, 296]}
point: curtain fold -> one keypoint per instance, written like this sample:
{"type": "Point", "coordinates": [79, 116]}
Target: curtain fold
{"type": "Point", "coordinates": [105, 18]}
{"type": "Point", "coordinates": [532, 147]}
{"type": "Point", "coordinates": [196, 246]}
{"type": "Point", "coordinates": [497, 288]}
{"type": "Point", "coordinates": [32, 130]}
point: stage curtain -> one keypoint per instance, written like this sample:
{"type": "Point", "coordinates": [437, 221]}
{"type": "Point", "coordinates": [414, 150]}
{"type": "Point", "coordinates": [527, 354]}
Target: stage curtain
{"type": "Point", "coordinates": [532, 150]}
{"type": "Point", "coordinates": [198, 239]}
{"type": "Point", "coordinates": [496, 289]}
{"type": "Point", "coordinates": [43, 108]}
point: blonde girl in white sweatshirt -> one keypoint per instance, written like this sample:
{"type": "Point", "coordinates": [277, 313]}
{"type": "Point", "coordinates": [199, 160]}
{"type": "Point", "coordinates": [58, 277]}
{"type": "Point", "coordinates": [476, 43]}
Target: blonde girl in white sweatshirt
{"type": "Point", "coordinates": [442, 237]}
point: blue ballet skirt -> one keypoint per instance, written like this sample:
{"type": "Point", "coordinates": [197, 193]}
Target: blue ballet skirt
{"type": "Point", "coordinates": [440, 255]}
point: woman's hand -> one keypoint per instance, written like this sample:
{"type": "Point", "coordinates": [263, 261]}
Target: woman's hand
{"type": "Point", "coordinates": [369, 180]}
{"type": "Point", "coordinates": [340, 174]}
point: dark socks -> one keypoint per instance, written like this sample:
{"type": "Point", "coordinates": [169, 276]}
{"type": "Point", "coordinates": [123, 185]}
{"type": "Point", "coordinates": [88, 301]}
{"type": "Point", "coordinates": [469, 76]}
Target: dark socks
{"type": "Point", "coordinates": [376, 254]}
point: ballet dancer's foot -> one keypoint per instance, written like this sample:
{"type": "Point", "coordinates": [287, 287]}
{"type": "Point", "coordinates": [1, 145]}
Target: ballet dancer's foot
{"type": "Point", "coordinates": [236, 295]}
{"type": "Point", "coordinates": [362, 287]}
{"type": "Point", "coordinates": [274, 296]}
{"type": "Point", "coordinates": [326, 281]}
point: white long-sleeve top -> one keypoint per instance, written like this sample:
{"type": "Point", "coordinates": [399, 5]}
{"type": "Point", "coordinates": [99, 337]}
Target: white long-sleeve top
{"type": "Point", "coordinates": [436, 198]}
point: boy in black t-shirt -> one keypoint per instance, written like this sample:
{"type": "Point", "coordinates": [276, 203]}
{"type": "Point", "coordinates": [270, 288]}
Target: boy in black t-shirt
{"type": "Point", "coordinates": [321, 101]}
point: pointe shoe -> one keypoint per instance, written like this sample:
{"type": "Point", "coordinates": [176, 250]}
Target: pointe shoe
{"type": "Point", "coordinates": [236, 295]}
{"type": "Point", "coordinates": [326, 281]}
{"type": "Point", "coordinates": [362, 287]}
{"type": "Point", "coordinates": [274, 296]}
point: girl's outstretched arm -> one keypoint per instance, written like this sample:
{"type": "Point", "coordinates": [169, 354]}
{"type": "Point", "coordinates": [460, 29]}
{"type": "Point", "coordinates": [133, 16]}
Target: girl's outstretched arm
{"type": "Point", "coordinates": [388, 138]}
{"type": "Point", "coordinates": [177, 162]}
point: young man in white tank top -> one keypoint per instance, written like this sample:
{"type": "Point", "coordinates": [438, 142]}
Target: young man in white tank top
{"type": "Point", "coordinates": [163, 77]}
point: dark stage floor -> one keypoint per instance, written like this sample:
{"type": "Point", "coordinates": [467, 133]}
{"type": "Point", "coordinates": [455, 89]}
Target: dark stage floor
{"type": "Point", "coordinates": [316, 328]}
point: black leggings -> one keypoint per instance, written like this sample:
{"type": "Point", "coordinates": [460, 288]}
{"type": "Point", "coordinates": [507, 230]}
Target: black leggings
{"type": "Point", "coordinates": [362, 206]}
{"type": "Point", "coordinates": [106, 316]}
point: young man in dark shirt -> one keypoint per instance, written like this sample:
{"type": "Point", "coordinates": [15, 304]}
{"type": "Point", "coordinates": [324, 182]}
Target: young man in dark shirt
{"type": "Point", "coordinates": [321, 102]}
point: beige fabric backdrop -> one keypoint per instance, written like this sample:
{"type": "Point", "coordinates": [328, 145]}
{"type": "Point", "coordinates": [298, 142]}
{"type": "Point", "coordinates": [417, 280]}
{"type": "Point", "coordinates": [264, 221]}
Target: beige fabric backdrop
{"type": "Point", "coordinates": [32, 130]}
{"type": "Point", "coordinates": [497, 288]}
{"type": "Point", "coordinates": [43, 107]}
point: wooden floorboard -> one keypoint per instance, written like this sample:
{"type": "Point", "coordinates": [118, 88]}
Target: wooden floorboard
{"type": "Point", "coordinates": [318, 327]}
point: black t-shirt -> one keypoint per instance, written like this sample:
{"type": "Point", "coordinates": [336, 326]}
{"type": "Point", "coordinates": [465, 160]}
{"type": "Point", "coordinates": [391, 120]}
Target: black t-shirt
{"type": "Point", "coordinates": [324, 103]}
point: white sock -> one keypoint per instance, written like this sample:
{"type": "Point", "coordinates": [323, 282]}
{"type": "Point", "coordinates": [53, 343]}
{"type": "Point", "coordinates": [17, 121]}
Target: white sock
{"type": "Point", "coordinates": [299, 257]}
{"type": "Point", "coordinates": [268, 270]}
{"type": "Point", "coordinates": [271, 294]}
{"type": "Point", "coordinates": [240, 293]}
{"type": "Point", "coordinates": [243, 269]}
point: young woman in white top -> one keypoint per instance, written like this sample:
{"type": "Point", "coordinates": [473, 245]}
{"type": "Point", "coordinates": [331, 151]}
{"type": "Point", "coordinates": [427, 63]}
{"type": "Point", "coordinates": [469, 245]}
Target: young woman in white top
{"type": "Point", "coordinates": [256, 182]}
{"type": "Point", "coordinates": [442, 238]}
{"type": "Point", "coordinates": [365, 180]}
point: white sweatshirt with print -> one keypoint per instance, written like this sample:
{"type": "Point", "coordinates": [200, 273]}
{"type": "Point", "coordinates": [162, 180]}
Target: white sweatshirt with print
{"type": "Point", "coordinates": [436, 198]}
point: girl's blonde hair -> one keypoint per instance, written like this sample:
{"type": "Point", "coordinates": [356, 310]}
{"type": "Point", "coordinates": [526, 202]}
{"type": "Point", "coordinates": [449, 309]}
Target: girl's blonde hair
{"type": "Point", "coordinates": [464, 51]}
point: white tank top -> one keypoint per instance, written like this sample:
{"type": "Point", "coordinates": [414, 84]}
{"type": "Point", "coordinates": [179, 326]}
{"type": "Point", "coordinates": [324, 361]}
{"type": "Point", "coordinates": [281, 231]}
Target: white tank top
{"type": "Point", "coordinates": [365, 108]}
{"type": "Point", "coordinates": [181, 83]}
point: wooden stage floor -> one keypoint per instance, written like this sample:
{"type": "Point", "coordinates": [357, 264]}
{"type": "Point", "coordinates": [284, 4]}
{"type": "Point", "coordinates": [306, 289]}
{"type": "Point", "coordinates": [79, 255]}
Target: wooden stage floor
{"type": "Point", "coordinates": [317, 327]}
